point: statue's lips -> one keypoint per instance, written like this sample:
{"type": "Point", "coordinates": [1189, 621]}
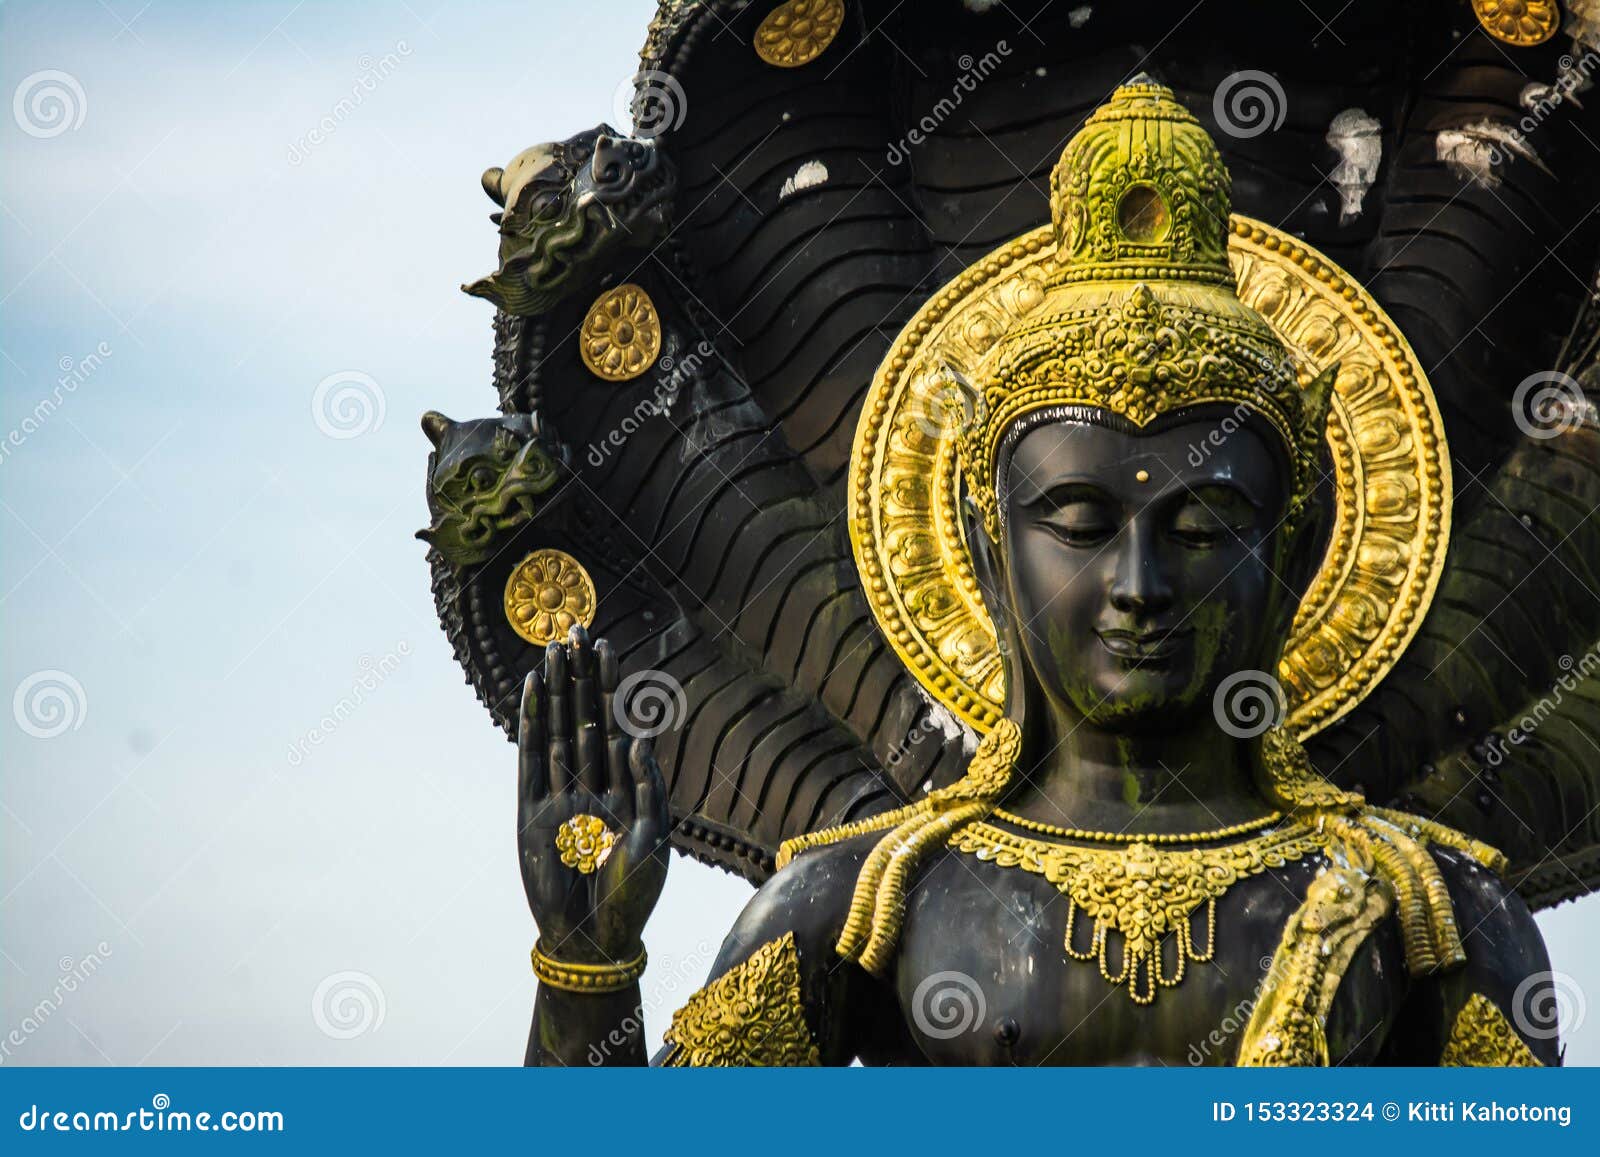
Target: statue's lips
{"type": "Point", "coordinates": [1143, 645]}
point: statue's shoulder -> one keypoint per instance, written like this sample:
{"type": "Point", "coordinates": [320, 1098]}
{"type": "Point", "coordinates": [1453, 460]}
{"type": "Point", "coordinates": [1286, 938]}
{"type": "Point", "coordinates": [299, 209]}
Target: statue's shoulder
{"type": "Point", "coordinates": [811, 891]}
{"type": "Point", "coordinates": [1494, 1003]}
{"type": "Point", "coordinates": [777, 974]}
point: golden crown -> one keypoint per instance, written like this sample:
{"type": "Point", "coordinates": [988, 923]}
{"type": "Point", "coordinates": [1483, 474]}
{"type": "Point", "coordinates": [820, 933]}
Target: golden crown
{"type": "Point", "coordinates": [1141, 314]}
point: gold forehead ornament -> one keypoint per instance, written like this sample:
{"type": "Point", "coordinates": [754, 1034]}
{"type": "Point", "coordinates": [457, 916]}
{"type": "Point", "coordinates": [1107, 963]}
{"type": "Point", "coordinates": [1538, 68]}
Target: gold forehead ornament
{"type": "Point", "coordinates": [1143, 297]}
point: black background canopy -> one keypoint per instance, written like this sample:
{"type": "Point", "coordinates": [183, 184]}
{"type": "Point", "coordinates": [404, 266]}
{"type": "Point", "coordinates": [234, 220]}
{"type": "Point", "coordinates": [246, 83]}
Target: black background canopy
{"type": "Point", "coordinates": [808, 224]}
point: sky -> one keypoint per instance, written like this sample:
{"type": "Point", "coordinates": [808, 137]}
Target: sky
{"type": "Point", "coordinates": [249, 811]}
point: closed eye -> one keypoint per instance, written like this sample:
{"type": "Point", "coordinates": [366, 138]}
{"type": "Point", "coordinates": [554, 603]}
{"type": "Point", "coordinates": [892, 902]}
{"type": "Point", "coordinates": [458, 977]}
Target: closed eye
{"type": "Point", "coordinates": [1211, 515]}
{"type": "Point", "coordinates": [1076, 514]}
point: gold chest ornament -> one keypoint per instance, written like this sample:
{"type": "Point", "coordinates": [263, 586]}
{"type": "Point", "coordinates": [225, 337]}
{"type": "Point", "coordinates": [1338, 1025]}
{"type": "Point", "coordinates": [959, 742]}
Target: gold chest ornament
{"type": "Point", "coordinates": [1141, 892]}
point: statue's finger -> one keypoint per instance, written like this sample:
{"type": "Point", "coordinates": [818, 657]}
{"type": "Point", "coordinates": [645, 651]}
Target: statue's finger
{"type": "Point", "coordinates": [562, 778]}
{"type": "Point", "coordinates": [588, 729]}
{"type": "Point", "coordinates": [605, 659]}
{"type": "Point", "coordinates": [605, 664]}
{"type": "Point", "coordinates": [650, 790]}
{"type": "Point", "coordinates": [619, 781]}
{"type": "Point", "coordinates": [557, 684]}
{"type": "Point", "coordinates": [533, 781]}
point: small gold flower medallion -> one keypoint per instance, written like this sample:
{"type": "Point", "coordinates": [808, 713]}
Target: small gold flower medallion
{"type": "Point", "coordinates": [1524, 23]}
{"type": "Point", "coordinates": [621, 334]}
{"type": "Point", "coordinates": [798, 32]}
{"type": "Point", "coordinates": [548, 594]}
{"type": "Point", "coordinates": [585, 843]}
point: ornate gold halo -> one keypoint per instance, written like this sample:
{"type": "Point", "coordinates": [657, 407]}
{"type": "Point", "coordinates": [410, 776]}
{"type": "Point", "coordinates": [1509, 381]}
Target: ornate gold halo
{"type": "Point", "coordinates": [1391, 473]}
{"type": "Point", "coordinates": [548, 594]}
{"type": "Point", "coordinates": [798, 31]}
{"type": "Point", "coordinates": [621, 334]}
{"type": "Point", "coordinates": [1524, 23]}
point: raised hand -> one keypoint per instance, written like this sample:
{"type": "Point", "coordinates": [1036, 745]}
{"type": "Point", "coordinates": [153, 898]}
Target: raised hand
{"type": "Point", "coordinates": [592, 821]}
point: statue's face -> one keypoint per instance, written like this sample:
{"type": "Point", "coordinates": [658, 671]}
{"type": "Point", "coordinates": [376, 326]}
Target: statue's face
{"type": "Point", "coordinates": [1136, 598]}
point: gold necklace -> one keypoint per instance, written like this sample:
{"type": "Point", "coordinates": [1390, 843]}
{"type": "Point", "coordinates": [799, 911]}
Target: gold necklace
{"type": "Point", "coordinates": [1139, 890]}
{"type": "Point", "coordinates": [1043, 828]}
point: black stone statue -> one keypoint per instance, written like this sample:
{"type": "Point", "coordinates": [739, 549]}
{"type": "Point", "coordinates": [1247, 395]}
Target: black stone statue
{"type": "Point", "coordinates": [1108, 629]}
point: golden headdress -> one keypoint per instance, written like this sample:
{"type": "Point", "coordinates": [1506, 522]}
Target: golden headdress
{"type": "Point", "coordinates": [1141, 315]}
{"type": "Point", "coordinates": [1143, 297]}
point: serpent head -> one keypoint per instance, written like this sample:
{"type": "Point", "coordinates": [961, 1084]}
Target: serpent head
{"type": "Point", "coordinates": [483, 479]}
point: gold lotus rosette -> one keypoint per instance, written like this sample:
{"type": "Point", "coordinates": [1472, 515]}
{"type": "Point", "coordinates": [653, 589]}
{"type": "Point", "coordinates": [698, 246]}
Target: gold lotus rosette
{"type": "Point", "coordinates": [1143, 296]}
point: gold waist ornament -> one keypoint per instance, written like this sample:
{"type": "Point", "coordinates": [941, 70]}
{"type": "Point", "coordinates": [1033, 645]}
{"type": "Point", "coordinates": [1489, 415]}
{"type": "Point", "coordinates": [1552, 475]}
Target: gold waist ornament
{"type": "Point", "coordinates": [1142, 892]}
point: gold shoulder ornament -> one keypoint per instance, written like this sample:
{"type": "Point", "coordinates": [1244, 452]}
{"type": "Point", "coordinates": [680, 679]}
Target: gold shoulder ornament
{"type": "Point", "coordinates": [1482, 1038]}
{"type": "Point", "coordinates": [752, 1015]}
{"type": "Point", "coordinates": [1287, 1025]}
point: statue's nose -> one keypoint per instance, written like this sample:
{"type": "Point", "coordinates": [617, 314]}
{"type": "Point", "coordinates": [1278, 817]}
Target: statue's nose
{"type": "Point", "coordinates": [1139, 586]}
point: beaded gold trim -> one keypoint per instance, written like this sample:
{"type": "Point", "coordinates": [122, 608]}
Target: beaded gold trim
{"type": "Point", "coordinates": [570, 977]}
{"type": "Point", "coordinates": [752, 1015]}
{"type": "Point", "coordinates": [1482, 1038]}
{"type": "Point", "coordinates": [1227, 833]}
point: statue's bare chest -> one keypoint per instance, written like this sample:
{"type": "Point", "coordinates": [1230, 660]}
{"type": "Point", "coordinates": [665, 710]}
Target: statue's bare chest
{"type": "Point", "coordinates": [983, 976]}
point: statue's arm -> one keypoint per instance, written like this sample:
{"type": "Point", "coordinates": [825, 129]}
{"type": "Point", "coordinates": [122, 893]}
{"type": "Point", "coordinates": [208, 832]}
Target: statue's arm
{"type": "Point", "coordinates": [1499, 1007]}
{"type": "Point", "coordinates": [592, 829]}
{"type": "Point", "coordinates": [778, 993]}
{"type": "Point", "coordinates": [592, 840]}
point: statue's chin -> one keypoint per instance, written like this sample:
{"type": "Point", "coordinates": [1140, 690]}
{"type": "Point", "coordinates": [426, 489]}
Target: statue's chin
{"type": "Point", "coordinates": [1146, 711]}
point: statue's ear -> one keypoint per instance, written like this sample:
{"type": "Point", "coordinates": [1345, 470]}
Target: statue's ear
{"type": "Point", "coordinates": [1303, 555]}
{"type": "Point", "coordinates": [989, 568]}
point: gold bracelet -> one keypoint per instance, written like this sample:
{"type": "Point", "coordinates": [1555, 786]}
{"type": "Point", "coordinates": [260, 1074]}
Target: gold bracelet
{"type": "Point", "coordinates": [586, 977]}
